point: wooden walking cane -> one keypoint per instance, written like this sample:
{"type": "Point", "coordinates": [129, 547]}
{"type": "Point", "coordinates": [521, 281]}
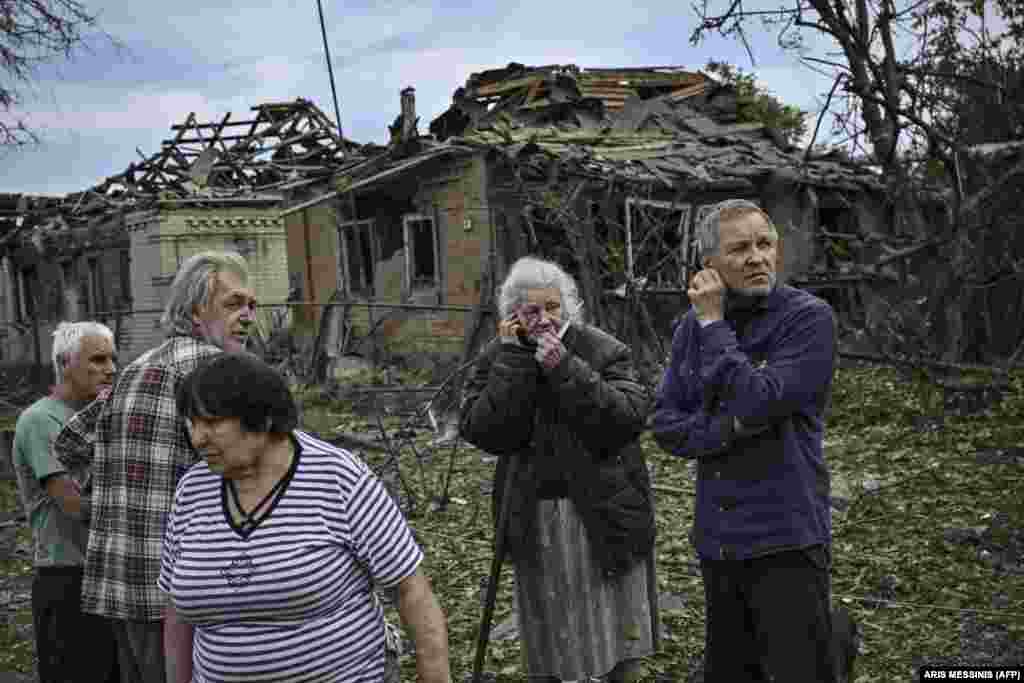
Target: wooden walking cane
{"type": "Point", "coordinates": [652, 601]}
{"type": "Point", "coordinates": [484, 636]}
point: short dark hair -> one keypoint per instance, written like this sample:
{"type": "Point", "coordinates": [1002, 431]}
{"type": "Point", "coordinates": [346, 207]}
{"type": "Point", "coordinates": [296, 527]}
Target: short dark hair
{"type": "Point", "coordinates": [239, 385]}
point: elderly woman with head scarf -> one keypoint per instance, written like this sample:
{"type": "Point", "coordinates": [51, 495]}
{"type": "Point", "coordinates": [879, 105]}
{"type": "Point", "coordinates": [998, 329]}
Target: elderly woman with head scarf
{"type": "Point", "coordinates": [561, 399]}
{"type": "Point", "coordinates": [274, 543]}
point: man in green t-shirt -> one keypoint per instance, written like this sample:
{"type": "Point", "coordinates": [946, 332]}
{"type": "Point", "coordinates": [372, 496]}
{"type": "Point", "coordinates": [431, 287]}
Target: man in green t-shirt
{"type": "Point", "coordinates": [71, 645]}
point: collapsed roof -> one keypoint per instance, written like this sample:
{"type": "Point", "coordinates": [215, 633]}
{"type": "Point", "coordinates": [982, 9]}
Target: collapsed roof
{"type": "Point", "coordinates": [21, 214]}
{"type": "Point", "coordinates": [250, 158]}
{"type": "Point", "coordinates": [558, 95]}
{"type": "Point", "coordinates": [658, 124]}
{"type": "Point", "coordinates": [280, 144]}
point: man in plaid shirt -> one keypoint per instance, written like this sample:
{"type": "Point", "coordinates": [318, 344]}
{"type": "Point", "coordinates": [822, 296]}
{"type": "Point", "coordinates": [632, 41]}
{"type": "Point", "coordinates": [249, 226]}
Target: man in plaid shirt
{"type": "Point", "coordinates": [139, 449]}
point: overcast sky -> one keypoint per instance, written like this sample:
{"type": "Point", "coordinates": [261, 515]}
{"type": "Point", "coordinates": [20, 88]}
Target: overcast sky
{"type": "Point", "coordinates": [216, 56]}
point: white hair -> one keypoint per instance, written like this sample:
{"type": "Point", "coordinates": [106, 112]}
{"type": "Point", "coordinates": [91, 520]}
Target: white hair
{"type": "Point", "coordinates": [67, 342]}
{"type": "Point", "coordinates": [193, 286]}
{"type": "Point", "coordinates": [709, 231]}
{"type": "Point", "coordinates": [533, 273]}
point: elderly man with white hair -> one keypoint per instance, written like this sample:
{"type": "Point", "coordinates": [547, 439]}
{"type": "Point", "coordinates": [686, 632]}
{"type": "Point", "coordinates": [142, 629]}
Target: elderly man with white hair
{"type": "Point", "coordinates": [561, 399]}
{"type": "Point", "coordinates": [745, 395]}
{"type": "Point", "coordinates": [138, 447]}
{"type": "Point", "coordinates": [70, 645]}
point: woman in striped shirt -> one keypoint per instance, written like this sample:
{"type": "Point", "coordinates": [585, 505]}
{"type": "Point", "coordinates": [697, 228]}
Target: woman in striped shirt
{"type": "Point", "coordinates": [275, 543]}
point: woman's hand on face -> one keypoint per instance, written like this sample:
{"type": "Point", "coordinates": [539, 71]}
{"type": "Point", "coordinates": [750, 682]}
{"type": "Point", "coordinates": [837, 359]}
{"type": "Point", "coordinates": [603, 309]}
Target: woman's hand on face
{"type": "Point", "coordinates": [523, 327]}
{"type": "Point", "coordinates": [550, 350]}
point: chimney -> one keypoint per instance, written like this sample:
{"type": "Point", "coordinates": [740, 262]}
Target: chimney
{"type": "Point", "coordinates": [408, 114]}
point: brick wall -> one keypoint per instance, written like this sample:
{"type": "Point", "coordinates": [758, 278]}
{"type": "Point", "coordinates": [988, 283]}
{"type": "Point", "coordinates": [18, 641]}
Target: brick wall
{"type": "Point", "coordinates": [311, 260]}
{"type": "Point", "coordinates": [453, 193]}
{"type": "Point", "coordinates": [460, 196]}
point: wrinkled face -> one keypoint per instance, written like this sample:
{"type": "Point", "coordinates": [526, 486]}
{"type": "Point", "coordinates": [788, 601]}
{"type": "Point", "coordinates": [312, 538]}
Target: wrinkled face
{"type": "Point", "coordinates": [226, 321]}
{"type": "Point", "coordinates": [542, 311]}
{"type": "Point", "coordinates": [228, 449]}
{"type": "Point", "coordinates": [747, 254]}
{"type": "Point", "coordinates": [91, 369]}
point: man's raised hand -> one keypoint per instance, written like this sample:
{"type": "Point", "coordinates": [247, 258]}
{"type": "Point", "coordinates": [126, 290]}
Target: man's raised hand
{"type": "Point", "coordinates": [707, 294]}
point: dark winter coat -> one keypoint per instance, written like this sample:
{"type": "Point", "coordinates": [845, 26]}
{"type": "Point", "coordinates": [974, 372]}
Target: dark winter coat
{"type": "Point", "coordinates": [574, 433]}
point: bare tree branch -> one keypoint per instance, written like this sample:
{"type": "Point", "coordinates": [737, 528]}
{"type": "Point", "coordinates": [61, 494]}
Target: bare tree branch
{"type": "Point", "coordinates": [821, 115]}
{"type": "Point", "coordinates": [34, 33]}
{"type": "Point", "coordinates": [838, 65]}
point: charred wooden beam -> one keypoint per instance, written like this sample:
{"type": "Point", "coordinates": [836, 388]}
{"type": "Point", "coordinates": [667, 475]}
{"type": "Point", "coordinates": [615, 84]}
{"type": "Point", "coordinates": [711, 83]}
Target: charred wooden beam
{"type": "Point", "coordinates": [179, 126]}
{"type": "Point", "coordinates": [200, 140]}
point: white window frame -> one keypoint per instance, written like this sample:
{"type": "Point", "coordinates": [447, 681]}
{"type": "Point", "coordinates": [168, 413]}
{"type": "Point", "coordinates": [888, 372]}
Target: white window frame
{"type": "Point", "coordinates": [407, 220]}
{"type": "Point", "coordinates": [683, 230]}
{"type": "Point", "coordinates": [344, 277]}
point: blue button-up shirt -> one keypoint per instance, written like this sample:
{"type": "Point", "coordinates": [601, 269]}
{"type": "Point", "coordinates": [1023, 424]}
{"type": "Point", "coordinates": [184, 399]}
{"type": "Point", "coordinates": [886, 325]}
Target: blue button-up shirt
{"type": "Point", "coordinates": [769, 367]}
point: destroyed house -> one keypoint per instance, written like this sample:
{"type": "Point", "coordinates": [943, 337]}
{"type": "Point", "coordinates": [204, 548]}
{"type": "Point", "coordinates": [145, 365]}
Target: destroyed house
{"type": "Point", "coordinates": [604, 170]}
{"type": "Point", "coordinates": [110, 253]}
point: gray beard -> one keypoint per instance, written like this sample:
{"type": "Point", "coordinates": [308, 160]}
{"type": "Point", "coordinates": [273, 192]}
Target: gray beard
{"type": "Point", "coordinates": [746, 297]}
{"type": "Point", "coordinates": [760, 290]}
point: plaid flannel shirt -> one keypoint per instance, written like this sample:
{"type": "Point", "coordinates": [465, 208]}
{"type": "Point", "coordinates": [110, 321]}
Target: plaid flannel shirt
{"type": "Point", "coordinates": [139, 449]}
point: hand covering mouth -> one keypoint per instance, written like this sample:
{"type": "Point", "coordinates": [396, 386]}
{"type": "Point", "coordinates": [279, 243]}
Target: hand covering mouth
{"type": "Point", "coordinates": [542, 327]}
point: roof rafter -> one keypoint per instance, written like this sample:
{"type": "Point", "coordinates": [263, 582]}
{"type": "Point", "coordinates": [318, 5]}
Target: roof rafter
{"type": "Point", "coordinates": [247, 154]}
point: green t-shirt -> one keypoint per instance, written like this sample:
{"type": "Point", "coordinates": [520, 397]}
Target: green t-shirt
{"type": "Point", "coordinates": [59, 540]}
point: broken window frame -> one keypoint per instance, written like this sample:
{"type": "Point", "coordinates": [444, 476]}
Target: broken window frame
{"type": "Point", "coordinates": [412, 284]}
{"type": "Point", "coordinates": [684, 229]}
{"type": "Point", "coordinates": [363, 229]}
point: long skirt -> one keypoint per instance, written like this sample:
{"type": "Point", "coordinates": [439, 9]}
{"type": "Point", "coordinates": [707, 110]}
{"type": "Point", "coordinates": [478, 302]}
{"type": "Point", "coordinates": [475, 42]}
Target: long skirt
{"type": "Point", "coordinates": [573, 621]}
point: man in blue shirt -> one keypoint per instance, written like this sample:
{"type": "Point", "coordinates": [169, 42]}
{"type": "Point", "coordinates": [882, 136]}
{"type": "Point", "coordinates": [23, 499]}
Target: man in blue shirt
{"type": "Point", "coordinates": [745, 395]}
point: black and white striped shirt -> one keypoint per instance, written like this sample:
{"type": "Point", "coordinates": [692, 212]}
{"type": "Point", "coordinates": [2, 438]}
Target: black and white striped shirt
{"type": "Point", "coordinates": [292, 599]}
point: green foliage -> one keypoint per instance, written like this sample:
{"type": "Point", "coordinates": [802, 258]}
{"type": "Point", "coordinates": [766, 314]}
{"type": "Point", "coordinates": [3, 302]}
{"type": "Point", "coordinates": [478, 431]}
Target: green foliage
{"type": "Point", "coordinates": [756, 104]}
{"type": "Point", "coordinates": [969, 72]}
{"type": "Point", "coordinates": [9, 501]}
{"type": "Point", "coordinates": [616, 257]}
{"type": "Point", "coordinates": [362, 377]}
{"type": "Point", "coordinates": [838, 248]}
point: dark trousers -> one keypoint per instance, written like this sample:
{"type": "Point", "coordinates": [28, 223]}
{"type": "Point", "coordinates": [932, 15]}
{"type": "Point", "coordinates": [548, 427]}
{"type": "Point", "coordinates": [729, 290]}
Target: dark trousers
{"type": "Point", "coordinates": [140, 649]}
{"type": "Point", "coordinates": [769, 619]}
{"type": "Point", "coordinates": [71, 645]}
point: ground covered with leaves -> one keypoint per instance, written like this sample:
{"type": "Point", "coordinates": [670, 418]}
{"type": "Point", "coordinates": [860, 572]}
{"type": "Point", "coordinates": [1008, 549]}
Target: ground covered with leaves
{"type": "Point", "coordinates": [928, 517]}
